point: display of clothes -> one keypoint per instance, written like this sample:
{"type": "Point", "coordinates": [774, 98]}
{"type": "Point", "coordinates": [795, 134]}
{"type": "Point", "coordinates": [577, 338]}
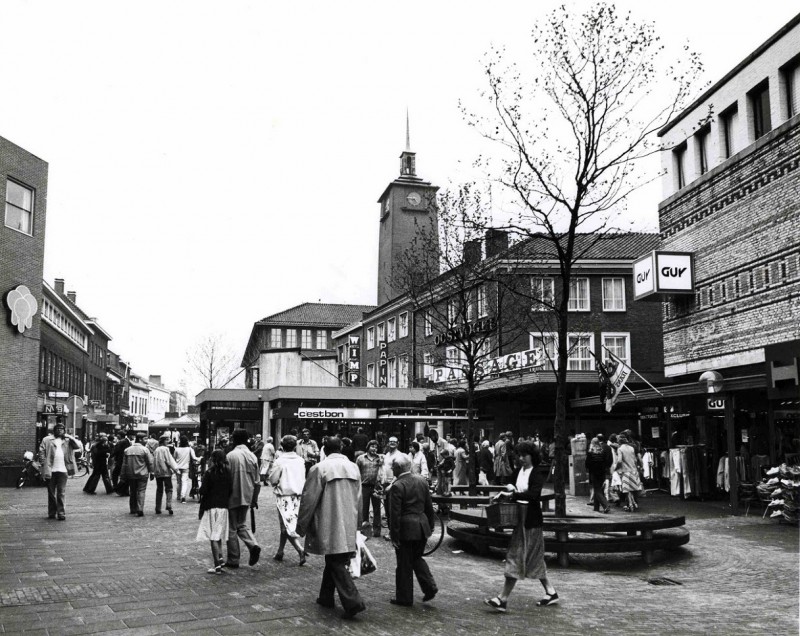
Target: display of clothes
{"type": "Point", "coordinates": [687, 471]}
{"type": "Point", "coordinates": [648, 465]}
{"type": "Point", "coordinates": [723, 472]}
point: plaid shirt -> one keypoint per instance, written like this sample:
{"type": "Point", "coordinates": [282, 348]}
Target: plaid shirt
{"type": "Point", "coordinates": [370, 468]}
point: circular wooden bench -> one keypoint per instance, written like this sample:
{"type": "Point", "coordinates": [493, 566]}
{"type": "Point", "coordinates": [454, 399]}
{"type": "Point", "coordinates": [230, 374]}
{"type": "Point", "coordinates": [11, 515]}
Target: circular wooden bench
{"type": "Point", "coordinates": [643, 534]}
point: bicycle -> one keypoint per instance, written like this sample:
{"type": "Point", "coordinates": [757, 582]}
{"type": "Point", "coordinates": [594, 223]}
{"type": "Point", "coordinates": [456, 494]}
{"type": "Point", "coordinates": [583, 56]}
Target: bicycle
{"type": "Point", "coordinates": [82, 467]}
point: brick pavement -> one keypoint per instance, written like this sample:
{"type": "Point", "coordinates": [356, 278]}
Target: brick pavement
{"type": "Point", "coordinates": [103, 571]}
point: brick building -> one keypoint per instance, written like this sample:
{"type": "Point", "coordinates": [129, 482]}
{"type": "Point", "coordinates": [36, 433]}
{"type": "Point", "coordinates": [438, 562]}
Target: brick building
{"type": "Point", "coordinates": [23, 188]}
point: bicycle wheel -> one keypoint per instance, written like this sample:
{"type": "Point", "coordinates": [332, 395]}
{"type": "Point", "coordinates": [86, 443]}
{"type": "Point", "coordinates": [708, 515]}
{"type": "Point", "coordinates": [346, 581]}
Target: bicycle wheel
{"type": "Point", "coordinates": [83, 470]}
{"type": "Point", "coordinates": [436, 538]}
{"type": "Point", "coordinates": [20, 481]}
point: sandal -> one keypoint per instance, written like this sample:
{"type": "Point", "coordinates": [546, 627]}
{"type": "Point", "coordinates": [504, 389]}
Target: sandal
{"type": "Point", "coordinates": [496, 604]}
{"type": "Point", "coordinates": [549, 599]}
{"type": "Point", "coordinates": [626, 509]}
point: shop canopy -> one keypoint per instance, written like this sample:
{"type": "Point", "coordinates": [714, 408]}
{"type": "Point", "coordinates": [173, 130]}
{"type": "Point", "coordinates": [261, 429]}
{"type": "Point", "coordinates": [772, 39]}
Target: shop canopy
{"type": "Point", "coordinates": [188, 421]}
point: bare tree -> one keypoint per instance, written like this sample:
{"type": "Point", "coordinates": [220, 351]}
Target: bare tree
{"type": "Point", "coordinates": [211, 362]}
{"type": "Point", "coordinates": [573, 125]}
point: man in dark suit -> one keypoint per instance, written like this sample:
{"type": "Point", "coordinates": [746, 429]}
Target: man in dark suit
{"type": "Point", "coordinates": [118, 454]}
{"type": "Point", "coordinates": [410, 523]}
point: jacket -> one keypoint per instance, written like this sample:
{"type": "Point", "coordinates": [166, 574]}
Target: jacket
{"type": "Point", "coordinates": [163, 462]}
{"type": "Point", "coordinates": [215, 490]}
{"type": "Point", "coordinates": [244, 477]}
{"type": "Point", "coordinates": [330, 509]}
{"type": "Point", "coordinates": [137, 462]}
{"type": "Point", "coordinates": [288, 474]}
{"type": "Point", "coordinates": [533, 517]}
{"type": "Point", "coordinates": [47, 453]}
{"type": "Point", "coordinates": [410, 508]}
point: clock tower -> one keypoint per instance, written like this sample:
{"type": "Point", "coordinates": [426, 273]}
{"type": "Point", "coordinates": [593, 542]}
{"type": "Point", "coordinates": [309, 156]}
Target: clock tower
{"type": "Point", "coordinates": [407, 208]}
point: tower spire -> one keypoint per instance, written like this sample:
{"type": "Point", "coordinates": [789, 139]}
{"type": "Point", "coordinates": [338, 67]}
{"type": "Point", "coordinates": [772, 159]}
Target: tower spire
{"type": "Point", "coordinates": [408, 133]}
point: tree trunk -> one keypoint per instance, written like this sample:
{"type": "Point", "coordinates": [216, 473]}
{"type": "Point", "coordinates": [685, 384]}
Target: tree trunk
{"type": "Point", "coordinates": [471, 456]}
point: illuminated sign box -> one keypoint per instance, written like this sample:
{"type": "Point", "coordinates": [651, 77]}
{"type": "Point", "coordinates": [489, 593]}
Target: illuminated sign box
{"type": "Point", "coordinates": [660, 274]}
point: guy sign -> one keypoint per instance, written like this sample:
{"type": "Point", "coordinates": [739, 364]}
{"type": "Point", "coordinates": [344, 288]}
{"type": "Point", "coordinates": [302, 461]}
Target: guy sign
{"type": "Point", "coordinates": [666, 273]}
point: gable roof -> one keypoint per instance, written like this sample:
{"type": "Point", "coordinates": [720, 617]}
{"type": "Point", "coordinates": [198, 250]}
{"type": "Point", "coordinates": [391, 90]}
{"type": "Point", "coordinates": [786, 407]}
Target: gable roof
{"type": "Point", "coordinates": [318, 315]}
{"type": "Point", "coordinates": [593, 246]}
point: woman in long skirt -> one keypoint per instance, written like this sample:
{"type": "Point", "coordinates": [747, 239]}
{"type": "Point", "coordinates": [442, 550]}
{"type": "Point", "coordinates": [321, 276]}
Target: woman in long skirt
{"type": "Point", "coordinates": [214, 494]}
{"type": "Point", "coordinates": [525, 557]}
{"type": "Point", "coordinates": [288, 476]}
{"type": "Point", "coordinates": [631, 484]}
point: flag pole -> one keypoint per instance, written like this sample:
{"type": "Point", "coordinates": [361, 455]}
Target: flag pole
{"type": "Point", "coordinates": [632, 369]}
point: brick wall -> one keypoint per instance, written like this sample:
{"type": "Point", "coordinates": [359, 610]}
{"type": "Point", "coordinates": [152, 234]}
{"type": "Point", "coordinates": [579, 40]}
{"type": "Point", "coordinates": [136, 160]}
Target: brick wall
{"type": "Point", "coordinates": [21, 263]}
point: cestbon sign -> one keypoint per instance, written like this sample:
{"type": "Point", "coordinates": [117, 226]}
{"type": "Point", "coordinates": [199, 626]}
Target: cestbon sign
{"type": "Point", "coordinates": [663, 273]}
{"type": "Point", "coordinates": [334, 413]}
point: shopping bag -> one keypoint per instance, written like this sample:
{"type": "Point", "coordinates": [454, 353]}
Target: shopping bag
{"type": "Point", "coordinates": [362, 562]}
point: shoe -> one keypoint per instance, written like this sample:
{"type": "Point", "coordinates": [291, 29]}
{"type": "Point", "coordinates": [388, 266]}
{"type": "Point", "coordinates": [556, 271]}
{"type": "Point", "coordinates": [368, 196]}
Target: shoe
{"type": "Point", "coordinates": [158, 512]}
{"type": "Point", "coordinates": [394, 601]}
{"type": "Point", "coordinates": [590, 503]}
{"type": "Point", "coordinates": [140, 514]}
{"type": "Point", "coordinates": [325, 603]}
{"type": "Point", "coordinates": [169, 510]}
{"type": "Point", "coordinates": [777, 513]}
{"type": "Point", "coordinates": [626, 509]}
{"type": "Point", "coordinates": [62, 517]}
{"type": "Point", "coordinates": [89, 493]}
{"type": "Point", "coordinates": [775, 502]}
{"type": "Point", "coordinates": [550, 599]}
{"type": "Point", "coordinates": [606, 511]}
{"type": "Point", "coordinates": [183, 499]}
{"type": "Point", "coordinates": [302, 561]}
{"type": "Point", "coordinates": [496, 604]}
{"type": "Point", "coordinates": [216, 570]}
{"type": "Point", "coordinates": [387, 538]}
{"type": "Point", "coordinates": [773, 471]}
{"type": "Point", "coordinates": [352, 612]}
{"type": "Point", "coordinates": [51, 516]}
{"type": "Point", "coordinates": [230, 566]}
{"type": "Point", "coordinates": [278, 557]}
{"type": "Point", "coordinates": [429, 596]}
{"type": "Point", "coordinates": [255, 554]}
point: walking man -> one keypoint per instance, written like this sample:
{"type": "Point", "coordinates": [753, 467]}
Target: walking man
{"type": "Point", "coordinates": [244, 495]}
{"type": "Point", "coordinates": [410, 523]}
{"type": "Point", "coordinates": [369, 465]}
{"type": "Point", "coordinates": [330, 515]}
{"type": "Point", "coordinates": [164, 465]}
{"type": "Point", "coordinates": [119, 454]}
{"type": "Point", "coordinates": [308, 449]}
{"type": "Point", "coordinates": [100, 451]}
{"type": "Point", "coordinates": [137, 466]}
{"type": "Point", "coordinates": [57, 457]}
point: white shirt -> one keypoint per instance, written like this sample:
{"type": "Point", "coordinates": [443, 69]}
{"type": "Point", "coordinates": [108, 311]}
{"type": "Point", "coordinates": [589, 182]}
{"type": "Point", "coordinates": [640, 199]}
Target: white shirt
{"type": "Point", "coordinates": [59, 466]}
{"type": "Point", "coordinates": [522, 479]}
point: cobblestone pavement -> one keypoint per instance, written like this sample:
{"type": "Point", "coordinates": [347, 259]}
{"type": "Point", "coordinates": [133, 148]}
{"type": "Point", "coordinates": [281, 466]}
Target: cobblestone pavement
{"type": "Point", "coordinates": [103, 571]}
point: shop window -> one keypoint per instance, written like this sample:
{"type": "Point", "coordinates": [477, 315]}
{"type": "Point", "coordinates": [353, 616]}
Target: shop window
{"type": "Point", "coordinates": [613, 294]}
{"type": "Point", "coordinates": [578, 294]}
{"type": "Point", "coordinates": [19, 207]}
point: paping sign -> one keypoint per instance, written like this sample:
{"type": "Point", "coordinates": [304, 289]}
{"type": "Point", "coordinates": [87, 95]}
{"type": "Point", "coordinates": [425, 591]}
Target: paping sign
{"type": "Point", "coordinates": [663, 273]}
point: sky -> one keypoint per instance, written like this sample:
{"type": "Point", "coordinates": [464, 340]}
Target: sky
{"type": "Point", "coordinates": [213, 163]}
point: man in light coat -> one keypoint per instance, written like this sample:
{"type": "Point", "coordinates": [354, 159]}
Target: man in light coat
{"type": "Point", "coordinates": [330, 514]}
{"type": "Point", "coordinates": [57, 457]}
{"type": "Point", "coordinates": [137, 466]}
{"type": "Point", "coordinates": [246, 486]}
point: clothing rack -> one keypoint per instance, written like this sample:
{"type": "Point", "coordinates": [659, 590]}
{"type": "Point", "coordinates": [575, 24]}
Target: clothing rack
{"type": "Point", "coordinates": [657, 470]}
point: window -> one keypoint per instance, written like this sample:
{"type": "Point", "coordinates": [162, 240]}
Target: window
{"type": "Point", "coordinates": [483, 305]}
{"type": "Point", "coordinates": [482, 349]}
{"type": "Point", "coordinates": [428, 324]}
{"type": "Point", "coordinates": [392, 373]}
{"type": "Point", "coordinates": [19, 207]}
{"type": "Point", "coordinates": [547, 342]}
{"type": "Point", "coordinates": [453, 356]}
{"type": "Point", "coordinates": [613, 294]}
{"type": "Point", "coordinates": [679, 161]}
{"type": "Point", "coordinates": [306, 340]}
{"type": "Point", "coordinates": [452, 312]}
{"type": "Point", "coordinates": [370, 337]}
{"type": "Point", "coordinates": [391, 330]}
{"type": "Point", "coordinates": [403, 375]}
{"type": "Point", "coordinates": [578, 294]}
{"type": "Point", "coordinates": [542, 292]}
{"type": "Point", "coordinates": [381, 332]}
{"type": "Point", "coordinates": [403, 324]}
{"type": "Point", "coordinates": [619, 344]}
{"type": "Point", "coordinates": [291, 338]}
{"type": "Point", "coordinates": [701, 138]}
{"type": "Point", "coordinates": [322, 339]}
{"type": "Point", "coordinates": [471, 306]}
{"type": "Point", "coordinates": [759, 103]}
{"type": "Point", "coordinates": [580, 357]}
{"type": "Point", "coordinates": [728, 121]}
{"type": "Point", "coordinates": [275, 338]}
{"type": "Point", "coordinates": [791, 78]}
{"type": "Point", "coordinates": [371, 374]}
{"type": "Point", "coordinates": [427, 365]}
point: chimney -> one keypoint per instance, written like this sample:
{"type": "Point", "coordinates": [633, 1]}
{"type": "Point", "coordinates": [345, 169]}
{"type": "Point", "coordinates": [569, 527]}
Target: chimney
{"type": "Point", "coordinates": [155, 379]}
{"type": "Point", "coordinates": [59, 286]}
{"type": "Point", "coordinates": [72, 296]}
{"type": "Point", "coordinates": [496, 242]}
{"type": "Point", "coordinates": [472, 252]}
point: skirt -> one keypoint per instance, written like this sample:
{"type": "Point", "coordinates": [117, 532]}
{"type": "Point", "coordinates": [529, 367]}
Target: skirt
{"type": "Point", "coordinates": [213, 525]}
{"type": "Point", "coordinates": [288, 506]}
{"type": "Point", "coordinates": [525, 557]}
{"type": "Point", "coordinates": [631, 482]}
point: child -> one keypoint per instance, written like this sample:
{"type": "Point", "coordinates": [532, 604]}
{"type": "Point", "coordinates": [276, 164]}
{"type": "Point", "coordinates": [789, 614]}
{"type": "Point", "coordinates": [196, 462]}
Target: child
{"type": "Point", "coordinates": [445, 469]}
{"type": "Point", "coordinates": [214, 493]}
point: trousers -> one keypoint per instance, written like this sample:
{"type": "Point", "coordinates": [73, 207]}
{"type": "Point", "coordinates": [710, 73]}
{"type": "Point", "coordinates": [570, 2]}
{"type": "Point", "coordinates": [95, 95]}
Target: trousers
{"type": "Point", "coordinates": [368, 496]}
{"type": "Point", "coordinates": [56, 487]}
{"type": "Point", "coordinates": [237, 529]}
{"type": "Point", "coordinates": [137, 487]}
{"type": "Point", "coordinates": [163, 484]}
{"type": "Point", "coordinates": [98, 473]}
{"type": "Point", "coordinates": [336, 576]}
{"type": "Point", "coordinates": [410, 563]}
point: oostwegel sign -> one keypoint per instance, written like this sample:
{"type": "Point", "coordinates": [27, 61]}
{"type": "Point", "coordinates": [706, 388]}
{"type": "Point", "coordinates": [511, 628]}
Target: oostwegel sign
{"type": "Point", "coordinates": [663, 273]}
{"type": "Point", "coordinates": [334, 413]}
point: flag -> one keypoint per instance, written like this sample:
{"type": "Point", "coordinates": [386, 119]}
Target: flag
{"type": "Point", "coordinates": [617, 373]}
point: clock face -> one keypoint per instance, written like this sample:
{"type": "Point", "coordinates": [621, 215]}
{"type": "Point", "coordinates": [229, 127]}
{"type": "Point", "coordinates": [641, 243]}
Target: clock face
{"type": "Point", "coordinates": [413, 198]}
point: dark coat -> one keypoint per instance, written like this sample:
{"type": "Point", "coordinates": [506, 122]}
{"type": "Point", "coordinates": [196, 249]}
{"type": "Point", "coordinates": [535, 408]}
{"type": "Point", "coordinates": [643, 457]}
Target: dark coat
{"type": "Point", "coordinates": [533, 517]}
{"type": "Point", "coordinates": [410, 508]}
{"type": "Point", "coordinates": [486, 462]}
{"type": "Point", "coordinates": [215, 490]}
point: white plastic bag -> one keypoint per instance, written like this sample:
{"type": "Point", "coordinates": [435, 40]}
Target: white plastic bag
{"type": "Point", "coordinates": [362, 562]}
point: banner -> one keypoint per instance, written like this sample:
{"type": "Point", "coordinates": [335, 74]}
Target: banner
{"type": "Point", "coordinates": [617, 373]}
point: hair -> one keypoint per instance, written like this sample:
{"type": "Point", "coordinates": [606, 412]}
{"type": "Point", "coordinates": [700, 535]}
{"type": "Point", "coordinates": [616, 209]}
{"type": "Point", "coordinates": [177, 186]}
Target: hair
{"type": "Point", "coordinates": [623, 439]}
{"type": "Point", "coordinates": [269, 439]}
{"type": "Point", "coordinates": [240, 436]}
{"type": "Point", "coordinates": [217, 462]}
{"type": "Point", "coordinates": [373, 442]}
{"type": "Point", "coordinates": [415, 446]}
{"type": "Point", "coordinates": [527, 448]}
{"type": "Point", "coordinates": [288, 443]}
{"type": "Point", "coordinates": [346, 441]}
{"type": "Point", "coordinates": [594, 446]}
{"type": "Point", "coordinates": [485, 443]}
{"type": "Point", "coordinates": [402, 462]}
{"type": "Point", "coordinates": [333, 445]}
{"type": "Point", "coordinates": [184, 441]}
{"type": "Point", "coordinates": [434, 434]}
{"type": "Point", "coordinates": [612, 438]}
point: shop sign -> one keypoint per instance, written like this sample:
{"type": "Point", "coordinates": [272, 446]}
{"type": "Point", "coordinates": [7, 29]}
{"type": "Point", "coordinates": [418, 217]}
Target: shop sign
{"type": "Point", "coordinates": [655, 432]}
{"type": "Point", "coordinates": [465, 331]}
{"type": "Point", "coordinates": [63, 395]}
{"type": "Point", "coordinates": [53, 408]}
{"type": "Point", "coordinates": [519, 361]}
{"type": "Point", "coordinates": [22, 307]}
{"type": "Point", "coordinates": [716, 404]}
{"type": "Point", "coordinates": [335, 413]}
{"type": "Point", "coordinates": [383, 364]}
{"type": "Point", "coordinates": [353, 363]}
{"type": "Point", "coordinates": [663, 273]}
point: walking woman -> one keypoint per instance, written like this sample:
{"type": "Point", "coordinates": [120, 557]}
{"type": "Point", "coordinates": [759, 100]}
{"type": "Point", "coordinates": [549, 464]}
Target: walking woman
{"type": "Point", "coordinates": [214, 493]}
{"type": "Point", "coordinates": [184, 455]}
{"type": "Point", "coordinates": [525, 558]}
{"type": "Point", "coordinates": [631, 484]}
{"type": "Point", "coordinates": [461, 460]}
{"type": "Point", "coordinates": [288, 476]}
{"type": "Point", "coordinates": [597, 466]}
